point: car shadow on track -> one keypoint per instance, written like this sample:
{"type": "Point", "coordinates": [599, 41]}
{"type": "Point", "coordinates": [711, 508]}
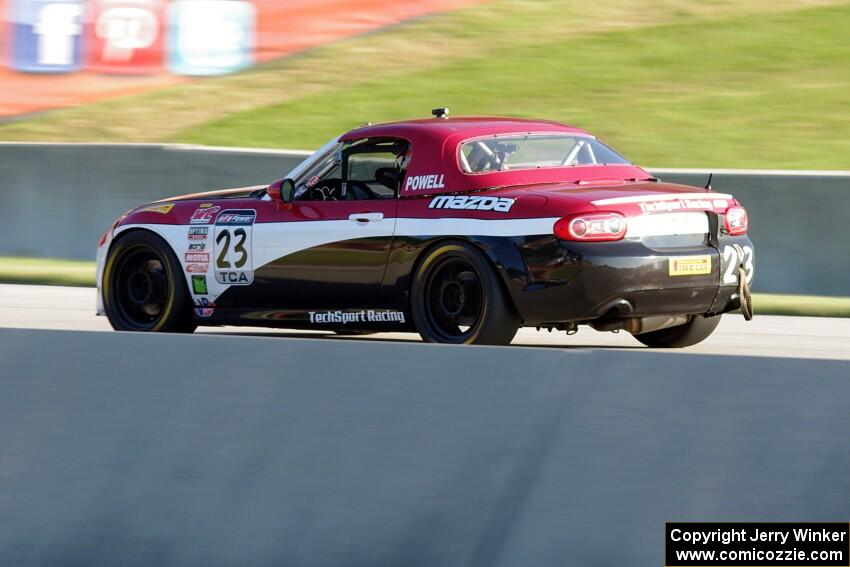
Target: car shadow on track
{"type": "Point", "coordinates": [413, 339]}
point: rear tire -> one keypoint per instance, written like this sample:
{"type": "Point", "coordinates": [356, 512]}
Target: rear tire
{"type": "Point", "coordinates": [694, 331]}
{"type": "Point", "coordinates": [144, 288]}
{"type": "Point", "coordinates": [458, 298]}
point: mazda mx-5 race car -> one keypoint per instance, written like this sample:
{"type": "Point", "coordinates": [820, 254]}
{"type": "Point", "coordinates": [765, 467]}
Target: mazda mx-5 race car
{"type": "Point", "coordinates": [463, 229]}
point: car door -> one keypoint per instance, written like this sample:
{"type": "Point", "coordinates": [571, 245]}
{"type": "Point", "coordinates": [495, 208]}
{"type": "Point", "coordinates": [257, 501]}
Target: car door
{"type": "Point", "coordinates": [328, 249]}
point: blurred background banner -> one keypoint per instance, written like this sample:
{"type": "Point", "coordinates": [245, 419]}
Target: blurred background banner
{"type": "Point", "coordinates": [99, 49]}
{"type": "Point", "coordinates": [152, 90]}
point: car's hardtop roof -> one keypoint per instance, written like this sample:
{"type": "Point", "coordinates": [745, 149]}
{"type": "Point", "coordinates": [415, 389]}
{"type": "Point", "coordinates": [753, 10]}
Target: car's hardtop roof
{"type": "Point", "coordinates": [435, 162]}
{"type": "Point", "coordinates": [458, 128]}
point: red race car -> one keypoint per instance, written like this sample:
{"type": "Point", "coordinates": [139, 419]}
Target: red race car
{"type": "Point", "coordinates": [463, 229]}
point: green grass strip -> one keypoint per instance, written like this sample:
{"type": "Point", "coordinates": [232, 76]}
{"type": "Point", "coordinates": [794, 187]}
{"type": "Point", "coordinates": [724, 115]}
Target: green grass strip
{"type": "Point", "coordinates": [802, 305]}
{"type": "Point", "coordinates": [47, 271]}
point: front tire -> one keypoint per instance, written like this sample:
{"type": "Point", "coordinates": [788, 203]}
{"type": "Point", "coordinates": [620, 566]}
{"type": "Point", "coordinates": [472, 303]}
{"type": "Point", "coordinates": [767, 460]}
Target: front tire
{"type": "Point", "coordinates": [457, 298]}
{"type": "Point", "coordinates": [694, 331]}
{"type": "Point", "coordinates": [143, 287]}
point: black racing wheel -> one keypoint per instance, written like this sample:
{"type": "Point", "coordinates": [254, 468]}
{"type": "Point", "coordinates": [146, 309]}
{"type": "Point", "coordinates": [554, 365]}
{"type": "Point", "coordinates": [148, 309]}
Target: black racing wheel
{"type": "Point", "coordinates": [694, 331]}
{"type": "Point", "coordinates": [143, 286]}
{"type": "Point", "coordinates": [457, 297]}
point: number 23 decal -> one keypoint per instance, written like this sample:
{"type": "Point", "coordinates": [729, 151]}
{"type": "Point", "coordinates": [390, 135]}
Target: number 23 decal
{"type": "Point", "coordinates": [223, 242]}
{"type": "Point", "coordinates": [233, 262]}
{"type": "Point", "coordinates": [734, 256]}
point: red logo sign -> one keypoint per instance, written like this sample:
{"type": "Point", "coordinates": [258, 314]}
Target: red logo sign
{"type": "Point", "coordinates": [198, 257]}
{"type": "Point", "coordinates": [204, 215]}
{"type": "Point", "coordinates": [126, 36]}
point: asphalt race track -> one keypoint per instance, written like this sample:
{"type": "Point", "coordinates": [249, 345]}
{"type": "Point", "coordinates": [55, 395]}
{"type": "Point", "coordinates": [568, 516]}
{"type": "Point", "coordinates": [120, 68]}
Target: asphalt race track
{"type": "Point", "coordinates": [318, 450]}
{"type": "Point", "coordinates": [68, 308]}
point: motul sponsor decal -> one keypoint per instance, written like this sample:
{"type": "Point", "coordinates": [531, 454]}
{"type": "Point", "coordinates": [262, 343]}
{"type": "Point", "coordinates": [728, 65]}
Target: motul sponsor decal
{"type": "Point", "coordinates": [354, 317]}
{"type": "Point", "coordinates": [197, 257]}
{"type": "Point", "coordinates": [420, 182]}
{"type": "Point", "coordinates": [204, 214]}
{"type": "Point", "coordinates": [475, 203]}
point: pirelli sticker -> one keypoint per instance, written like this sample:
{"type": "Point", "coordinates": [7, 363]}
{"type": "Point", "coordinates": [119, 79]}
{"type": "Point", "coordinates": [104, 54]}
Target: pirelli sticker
{"type": "Point", "coordinates": [690, 266]}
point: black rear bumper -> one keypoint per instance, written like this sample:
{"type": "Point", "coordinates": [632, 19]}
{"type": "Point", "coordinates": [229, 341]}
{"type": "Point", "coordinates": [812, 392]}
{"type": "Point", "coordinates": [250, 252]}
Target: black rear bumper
{"type": "Point", "coordinates": [570, 281]}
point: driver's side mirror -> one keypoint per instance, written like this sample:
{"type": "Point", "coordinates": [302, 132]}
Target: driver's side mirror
{"type": "Point", "coordinates": [283, 191]}
{"type": "Point", "coordinates": [287, 190]}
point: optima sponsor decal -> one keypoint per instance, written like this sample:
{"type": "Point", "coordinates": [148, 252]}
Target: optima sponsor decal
{"type": "Point", "coordinates": [353, 317]}
{"type": "Point", "coordinates": [498, 204]}
{"type": "Point", "coordinates": [198, 232]}
{"type": "Point", "coordinates": [420, 182]}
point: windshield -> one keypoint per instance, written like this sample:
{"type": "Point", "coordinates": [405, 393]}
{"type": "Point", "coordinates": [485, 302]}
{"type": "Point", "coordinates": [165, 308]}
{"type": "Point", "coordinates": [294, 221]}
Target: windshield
{"type": "Point", "coordinates": [324, 167]}
{"type": "Point", "coordinates": [322, 152]}
{"type": "Point", "coordinates": [532, 151]}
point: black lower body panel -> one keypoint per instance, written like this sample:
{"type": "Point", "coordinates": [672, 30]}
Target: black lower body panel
{"type": "Point", "coordinates": [570, 281]}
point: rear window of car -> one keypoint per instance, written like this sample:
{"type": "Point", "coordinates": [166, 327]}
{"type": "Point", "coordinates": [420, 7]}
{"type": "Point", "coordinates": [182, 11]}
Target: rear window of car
{"type": "Point", "coordinates": [533, 151]}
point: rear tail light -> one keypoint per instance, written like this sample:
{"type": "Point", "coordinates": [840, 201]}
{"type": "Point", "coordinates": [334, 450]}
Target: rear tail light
{"type": "Point", "coordinates": [737, 221]}
{"type": "Point", "coordinates": [591, 227]}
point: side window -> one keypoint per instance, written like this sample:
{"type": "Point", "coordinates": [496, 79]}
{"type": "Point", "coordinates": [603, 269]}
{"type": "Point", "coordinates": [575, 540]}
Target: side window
{"type": "Point", "coordinates": [375, 168]}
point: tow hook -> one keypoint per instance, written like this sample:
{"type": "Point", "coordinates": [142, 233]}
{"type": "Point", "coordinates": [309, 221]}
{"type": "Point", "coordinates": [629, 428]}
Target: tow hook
{"type": "Point", "coordinates": [744, 288]}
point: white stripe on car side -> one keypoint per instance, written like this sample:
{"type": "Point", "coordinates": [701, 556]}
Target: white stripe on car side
{"type": "Point", "coordinates": [275, 240]}
{"type": "Point", "coordinates": [272, 241]}
{"type": "Point", "coordinates": [663, 197]}
{"type": "Point", "coordinates": [474, 227]}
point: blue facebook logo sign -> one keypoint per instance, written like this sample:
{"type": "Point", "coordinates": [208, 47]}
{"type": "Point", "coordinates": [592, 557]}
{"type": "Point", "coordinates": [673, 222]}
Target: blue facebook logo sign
{"type": "Point", "coordinates": [47, 35]}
